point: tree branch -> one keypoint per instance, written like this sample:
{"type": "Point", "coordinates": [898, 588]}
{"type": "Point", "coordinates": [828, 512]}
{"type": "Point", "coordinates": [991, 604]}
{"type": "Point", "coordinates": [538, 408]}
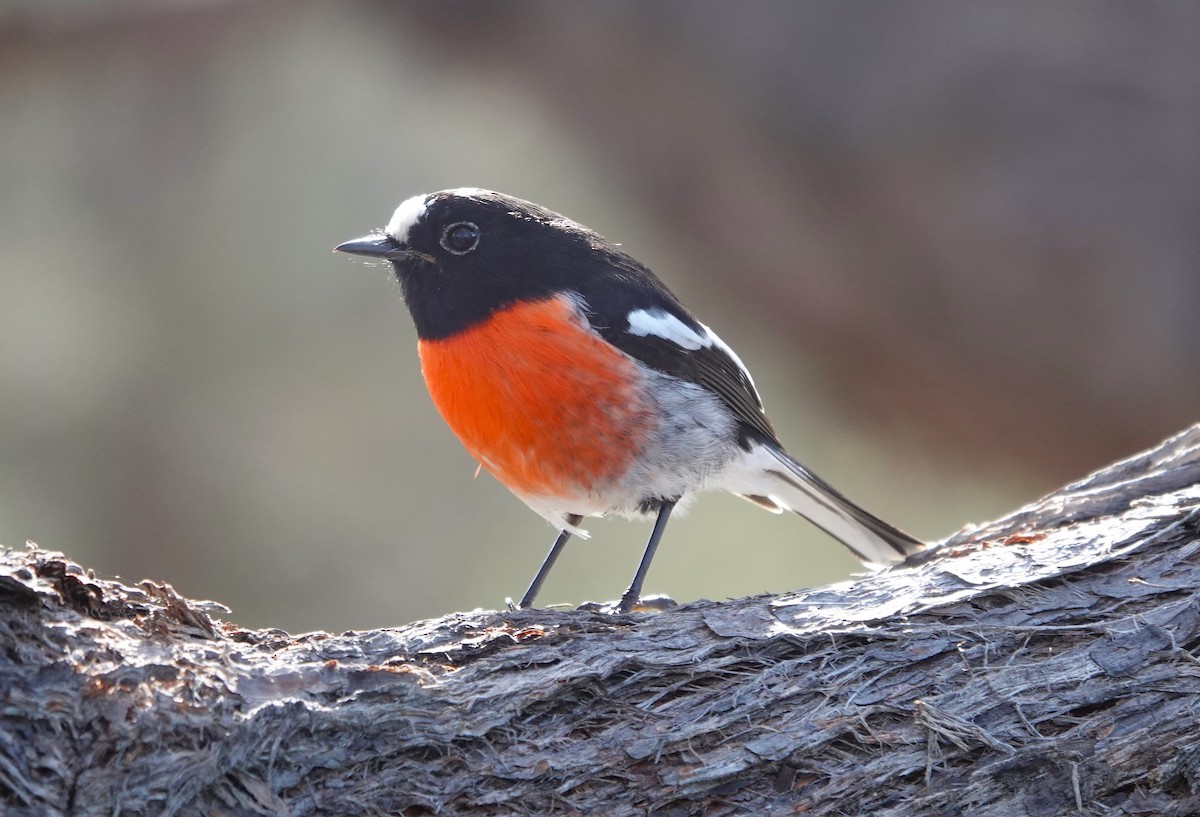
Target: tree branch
{"type": "Point", "coordinates": [1043, 664]}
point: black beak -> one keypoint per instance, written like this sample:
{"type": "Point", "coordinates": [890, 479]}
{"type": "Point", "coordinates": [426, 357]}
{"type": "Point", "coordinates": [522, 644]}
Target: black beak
{"type": "Point", "coordinates": [374, 246]}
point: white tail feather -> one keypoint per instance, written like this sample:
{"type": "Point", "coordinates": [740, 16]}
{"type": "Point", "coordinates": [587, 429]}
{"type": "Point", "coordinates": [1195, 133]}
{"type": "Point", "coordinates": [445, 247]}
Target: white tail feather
{"type": "Point", "coordinates": [768, 473]}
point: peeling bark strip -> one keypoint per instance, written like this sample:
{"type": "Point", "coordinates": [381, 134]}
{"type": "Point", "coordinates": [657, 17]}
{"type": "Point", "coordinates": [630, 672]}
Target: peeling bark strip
{"type": "Point", "coordinates": [1044, 664]}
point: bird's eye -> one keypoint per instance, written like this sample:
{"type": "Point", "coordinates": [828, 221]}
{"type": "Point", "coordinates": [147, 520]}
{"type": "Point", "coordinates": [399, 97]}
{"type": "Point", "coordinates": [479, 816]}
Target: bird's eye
{"type": "Point", "coordinates": [460, 238]}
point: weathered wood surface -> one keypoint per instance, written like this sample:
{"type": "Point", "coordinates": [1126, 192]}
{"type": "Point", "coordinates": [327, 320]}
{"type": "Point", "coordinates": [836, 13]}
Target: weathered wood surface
{"type": "Point", "coordinates": [1043, 664]}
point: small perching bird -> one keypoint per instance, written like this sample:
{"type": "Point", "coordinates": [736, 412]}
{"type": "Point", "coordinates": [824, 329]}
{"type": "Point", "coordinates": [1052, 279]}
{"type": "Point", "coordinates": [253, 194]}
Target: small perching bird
{"type": "Point", "coordinates": [575, 377]}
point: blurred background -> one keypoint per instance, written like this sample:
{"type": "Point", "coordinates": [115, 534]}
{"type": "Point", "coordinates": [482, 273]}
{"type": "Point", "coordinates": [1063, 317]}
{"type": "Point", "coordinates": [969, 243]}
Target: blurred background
{"type": "Point", "coordinates": [958, 244]}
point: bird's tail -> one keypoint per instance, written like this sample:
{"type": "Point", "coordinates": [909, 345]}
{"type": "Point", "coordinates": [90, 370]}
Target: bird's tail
{"type": "Point", "coordinates": [781, 483]}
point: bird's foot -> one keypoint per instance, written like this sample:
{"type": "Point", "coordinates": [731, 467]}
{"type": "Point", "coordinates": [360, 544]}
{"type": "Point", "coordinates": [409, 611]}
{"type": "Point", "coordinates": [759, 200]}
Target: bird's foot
{"type": "Point", "coordinates": [645, 604]}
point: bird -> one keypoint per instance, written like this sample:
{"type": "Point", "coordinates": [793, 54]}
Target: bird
{"type": "Point", "coordinates": [572, 374]}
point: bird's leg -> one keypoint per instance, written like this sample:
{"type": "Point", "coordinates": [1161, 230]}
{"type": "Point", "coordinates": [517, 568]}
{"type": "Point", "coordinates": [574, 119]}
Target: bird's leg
{"type": "Point", "coordinates": [634, 593]}
{"type": "Point", "coordinates": [572, 521]}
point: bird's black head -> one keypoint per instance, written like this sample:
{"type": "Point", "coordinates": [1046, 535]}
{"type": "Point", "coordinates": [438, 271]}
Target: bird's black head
{"type": "Point", "coordinates": [462, 254]}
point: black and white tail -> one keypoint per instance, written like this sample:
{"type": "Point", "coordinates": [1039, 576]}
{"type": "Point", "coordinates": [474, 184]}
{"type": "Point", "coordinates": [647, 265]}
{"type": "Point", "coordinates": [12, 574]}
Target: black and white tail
{"type": "Point", "coordinates": [769, 477]}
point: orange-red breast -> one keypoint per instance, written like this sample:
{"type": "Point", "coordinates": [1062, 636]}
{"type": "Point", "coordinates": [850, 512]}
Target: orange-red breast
{"type": "Point", "coordinates": [575, 377]}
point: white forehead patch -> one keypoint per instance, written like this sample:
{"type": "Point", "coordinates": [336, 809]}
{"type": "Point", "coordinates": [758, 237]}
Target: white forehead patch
{"type": "Point", "coordinates": [662, 324]}
{"type": "Point", "coordinates": [410, 210]}
{"type": "Point", "coordinates": [406, 216]}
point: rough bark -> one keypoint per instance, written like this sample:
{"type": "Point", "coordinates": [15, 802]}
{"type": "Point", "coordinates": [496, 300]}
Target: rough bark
{"type": "Point", "coordinates": [1042, 664]}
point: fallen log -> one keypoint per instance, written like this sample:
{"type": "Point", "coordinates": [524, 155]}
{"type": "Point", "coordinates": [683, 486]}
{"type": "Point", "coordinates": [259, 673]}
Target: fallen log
{"type": "Point", "coordinates": [1043, 664]}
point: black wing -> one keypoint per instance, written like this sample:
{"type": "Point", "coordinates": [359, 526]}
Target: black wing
{"type": "Point", "coordinates": [710, 366]}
